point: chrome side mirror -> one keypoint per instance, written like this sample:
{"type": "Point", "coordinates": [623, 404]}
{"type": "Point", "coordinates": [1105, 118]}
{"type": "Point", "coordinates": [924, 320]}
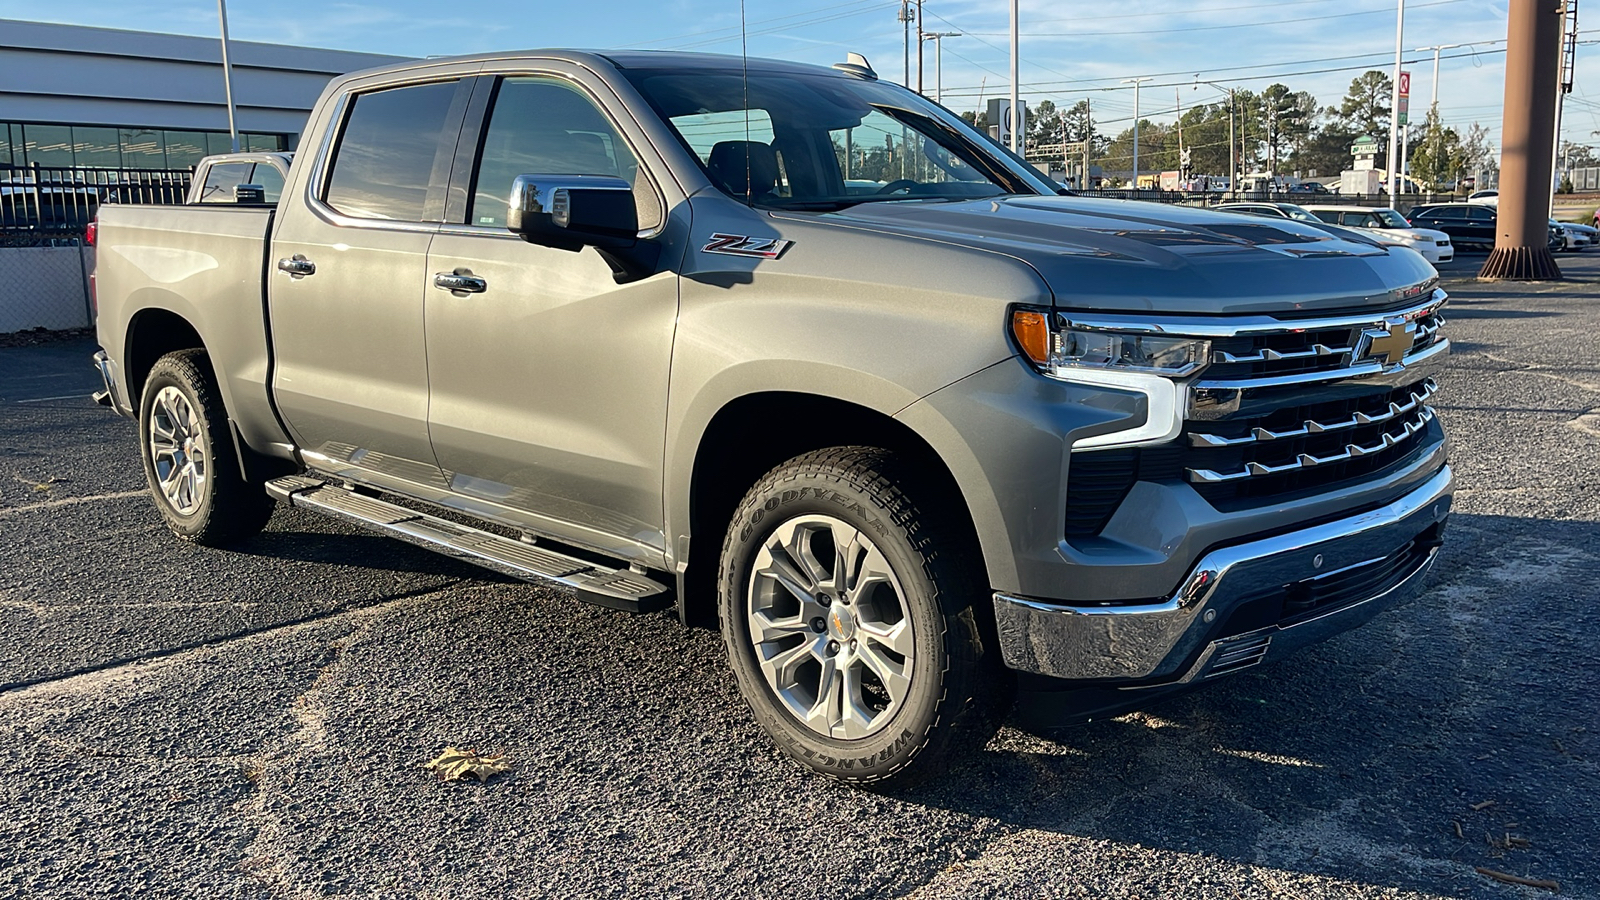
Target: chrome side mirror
{"type": "Point", "coordinates": [571, 212]}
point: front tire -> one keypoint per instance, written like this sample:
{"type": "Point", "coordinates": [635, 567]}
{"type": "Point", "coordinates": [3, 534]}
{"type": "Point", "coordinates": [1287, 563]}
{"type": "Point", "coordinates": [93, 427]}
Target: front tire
{"type": "Point", "coordinates": [189, 458]}
{"type": "Point", "coordinates": [852, 619]}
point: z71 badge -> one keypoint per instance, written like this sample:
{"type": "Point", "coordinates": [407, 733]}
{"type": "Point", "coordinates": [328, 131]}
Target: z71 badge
{"type": "Point", "coordinates": [744, 245]}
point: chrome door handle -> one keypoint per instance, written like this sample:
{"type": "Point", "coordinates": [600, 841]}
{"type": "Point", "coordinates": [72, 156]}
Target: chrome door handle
{"type": "Point", "coordinates": [463, 282]}
{"type": "Point", "coordinates": [297, 266]}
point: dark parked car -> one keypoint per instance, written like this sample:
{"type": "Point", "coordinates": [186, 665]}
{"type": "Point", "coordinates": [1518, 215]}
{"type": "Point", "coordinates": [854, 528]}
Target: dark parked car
{"type": "Point", "coordinates": [1470, 225]}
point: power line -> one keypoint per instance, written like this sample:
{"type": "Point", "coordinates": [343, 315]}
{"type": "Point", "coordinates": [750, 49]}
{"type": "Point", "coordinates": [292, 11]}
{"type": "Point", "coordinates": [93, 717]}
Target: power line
{"type": "Point", "coordinates": [1232, 26]}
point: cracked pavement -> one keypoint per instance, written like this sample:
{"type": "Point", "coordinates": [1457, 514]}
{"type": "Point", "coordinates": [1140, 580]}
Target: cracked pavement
{"type": "Point", "coordinates": [182, 722]}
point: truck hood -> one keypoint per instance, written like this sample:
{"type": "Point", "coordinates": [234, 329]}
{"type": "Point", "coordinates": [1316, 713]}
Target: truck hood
{"type": "Point", "coordinates": [1132, 256]}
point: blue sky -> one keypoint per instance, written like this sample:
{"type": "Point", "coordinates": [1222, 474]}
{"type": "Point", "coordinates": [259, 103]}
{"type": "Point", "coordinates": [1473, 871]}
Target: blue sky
{"type": "Point", "coordinates": [1070, 50]}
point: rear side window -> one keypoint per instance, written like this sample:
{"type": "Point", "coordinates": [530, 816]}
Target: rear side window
{"type": "Point", "coordinates": [1332, 218]}
{"type": "Point", "coordinates": [1479, 214]}
{"type": "Point", "coordinates": [1444, 212]}
{"type": "Point", "coordinates": [221, 179]}
{"type": "Point", "coordinates": [543, 126]}
{"type": "Point", "coordinates": [385, 156]}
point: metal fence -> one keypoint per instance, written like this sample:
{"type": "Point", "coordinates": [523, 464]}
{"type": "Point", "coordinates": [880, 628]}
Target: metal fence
{"type": "Point", "coordinates": [44, 265]}
{"type": "Point", "coordinates": [35, 200]}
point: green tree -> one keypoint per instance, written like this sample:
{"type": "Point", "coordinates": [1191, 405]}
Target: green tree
{"type": "Point", "coordinates": [1438, 158]}
{"type": "Point", "coordinates": [1478, 151]}
{"type": "Point", "coordinates": [1326, 149]}
{"type": "Point", "coordinates": [1365, 108]}
{"type": "Point", "coordinates": [1286, 119]}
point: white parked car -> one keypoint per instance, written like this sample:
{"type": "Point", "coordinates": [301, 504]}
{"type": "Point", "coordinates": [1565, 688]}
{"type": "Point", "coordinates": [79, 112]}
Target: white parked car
{"type": "Point", "coordinates": [1575, 237]}
{"type": "Point", "coordinates": [1389, 227]}
{"type": "Point", "coordinates": [1487, 198]}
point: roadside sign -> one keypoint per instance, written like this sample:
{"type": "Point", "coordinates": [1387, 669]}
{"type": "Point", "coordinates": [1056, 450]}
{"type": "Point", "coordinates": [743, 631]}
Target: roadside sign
{"type": "Point", "coordinates": [1405, 108]}
{"type": "Point", "coordinates": [1405, 85]}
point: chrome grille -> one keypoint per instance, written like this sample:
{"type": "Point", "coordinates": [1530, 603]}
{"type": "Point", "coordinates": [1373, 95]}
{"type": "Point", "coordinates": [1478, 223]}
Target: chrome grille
{"type": "Point", "coordinates": [1298, 351]}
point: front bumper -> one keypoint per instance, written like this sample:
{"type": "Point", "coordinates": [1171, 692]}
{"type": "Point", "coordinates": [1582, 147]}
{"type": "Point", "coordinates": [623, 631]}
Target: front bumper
{"type": "Point", "coordinates": [1239, 605]}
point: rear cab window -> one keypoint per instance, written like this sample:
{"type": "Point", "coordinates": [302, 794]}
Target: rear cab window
{"type": "Point", "coordinates": [222, 178]}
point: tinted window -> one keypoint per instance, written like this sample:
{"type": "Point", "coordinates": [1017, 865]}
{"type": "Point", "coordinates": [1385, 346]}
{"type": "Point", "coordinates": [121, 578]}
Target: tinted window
{"type": "Point", "coordinates": [541, 126]}
{"type": "Point", "coordinates": [268, 176]}
{"type": "Point", "coordinates": [1479, 214]}
{"type": "Point", "coordinates": [1443, 212]}
{"type": "Point", "coordinates": [1332, 218]}
{"type": "Point", "coordinates": [385, 156]}
{"type": "Point", "coordinates": [220, 181]}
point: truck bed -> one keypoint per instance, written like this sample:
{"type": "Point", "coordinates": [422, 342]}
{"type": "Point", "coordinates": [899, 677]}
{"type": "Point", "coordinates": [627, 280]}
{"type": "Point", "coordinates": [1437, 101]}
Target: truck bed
{"type": "Point", "coordinates": [204, 264]}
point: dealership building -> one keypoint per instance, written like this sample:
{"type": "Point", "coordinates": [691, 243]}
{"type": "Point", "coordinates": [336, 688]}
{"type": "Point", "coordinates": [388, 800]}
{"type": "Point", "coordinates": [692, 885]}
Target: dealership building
{"type": "Point", "coordinates": [74, 96]}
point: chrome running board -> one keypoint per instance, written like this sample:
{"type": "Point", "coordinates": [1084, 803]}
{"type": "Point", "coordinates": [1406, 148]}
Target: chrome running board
{"type": "Point", "coordinates": [603, 586]}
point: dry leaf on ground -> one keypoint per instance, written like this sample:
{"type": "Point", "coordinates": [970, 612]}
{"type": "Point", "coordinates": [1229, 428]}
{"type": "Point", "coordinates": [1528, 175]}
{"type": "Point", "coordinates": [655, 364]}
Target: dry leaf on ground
{"type": "Point", "coordinates": [453, 765]}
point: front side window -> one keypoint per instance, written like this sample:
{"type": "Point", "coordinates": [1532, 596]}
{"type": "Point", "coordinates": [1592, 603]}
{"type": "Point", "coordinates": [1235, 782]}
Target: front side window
{"type": "Point", "coordinates": [221, 180]}
{"type": "Point", "coordinates": [1479, 214]}
{"type": "Point", "coordinates": [384, 159]}
{"type": "Point", "coordinates": [544, 126]}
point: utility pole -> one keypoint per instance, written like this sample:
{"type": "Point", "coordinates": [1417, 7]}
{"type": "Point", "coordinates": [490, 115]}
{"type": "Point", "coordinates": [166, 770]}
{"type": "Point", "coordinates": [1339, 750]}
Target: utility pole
{"type": "Point", "coordinates": [1394, 105]}
{"type": "Point", "coordinates": [1088, 141]}
{"type": "Point", "coordinates": [938, 62]}
{"type": "Point", "coordinates": [905, 26]}
{"type": "Point", "coordinates": [227, 73]}
{"type": "Point", "coordinates": [919, 49]}
{"type": "Point", "coordinates": [1569, 48]}
{"type": "Point", "coordinates": [1135, 82]}
{"type": "Point", "coordinates": [1178, 96]}
{"type": "Point", "coordinates": [1016, 85]}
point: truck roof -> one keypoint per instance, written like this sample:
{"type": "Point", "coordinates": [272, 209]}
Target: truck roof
{"type": "Point", "coordinates": [623, 59]}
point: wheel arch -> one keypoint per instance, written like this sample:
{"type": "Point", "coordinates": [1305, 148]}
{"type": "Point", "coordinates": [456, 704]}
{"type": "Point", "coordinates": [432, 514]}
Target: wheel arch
{"type": "Point", "coordinates": [154, 332]}
{"type": "Point", "coordinates": [738, 446]}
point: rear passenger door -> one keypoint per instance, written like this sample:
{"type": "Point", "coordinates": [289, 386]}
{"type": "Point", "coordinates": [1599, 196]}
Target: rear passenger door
{"type": "Point", "coordinates": [549, 380]}
{"type": "Point", "coordinates": [1480, 225]}
{"type": "Point", "coordinates": [347, 282]}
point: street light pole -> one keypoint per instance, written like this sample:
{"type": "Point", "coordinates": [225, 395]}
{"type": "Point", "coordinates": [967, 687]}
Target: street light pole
{"type": "Point", "coordinates": [938, 61]}
{"type": "Point", "coordinates": [1394, 105]}
{"type": "Point", "coordinates": [227, 73]}
{"type": "Point", "coordinates": [1016, 85]}
{"type": "Point", "coordinates": [919, 49]}
{"type": "Point", "coordinates": [1233, 145]}
{"type": "Point", "coordinates": [1135, 82]}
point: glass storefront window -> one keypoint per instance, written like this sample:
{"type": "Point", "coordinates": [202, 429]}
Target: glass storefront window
{"type": "Point", "coordinates": [96, 147]}
{"type": "Point", "coordinates": [143, 148]}
{"type": "Point", "coordinates": [48, 145]}
{"type": "Point", "coordinates": [262, 143]}
{"type": "Point", "coordinates": [102, 146]}
{"type": "Point", "coordinates": [185, 148]}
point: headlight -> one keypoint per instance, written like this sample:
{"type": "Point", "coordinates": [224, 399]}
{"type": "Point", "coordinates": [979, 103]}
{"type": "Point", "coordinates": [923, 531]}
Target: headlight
{"type": "Point", "coordinates": [1145, 363]}
{"type": "Point", "coordinates": [1058, 351]}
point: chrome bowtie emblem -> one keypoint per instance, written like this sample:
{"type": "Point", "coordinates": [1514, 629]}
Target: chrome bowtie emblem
{"type": "Point", "coordinates": [1387, 343]}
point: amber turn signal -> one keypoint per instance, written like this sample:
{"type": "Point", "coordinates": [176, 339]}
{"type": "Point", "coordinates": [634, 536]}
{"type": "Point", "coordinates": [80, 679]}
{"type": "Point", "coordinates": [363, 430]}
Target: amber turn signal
{"type": "Point", "coordinates": [1032, 331]}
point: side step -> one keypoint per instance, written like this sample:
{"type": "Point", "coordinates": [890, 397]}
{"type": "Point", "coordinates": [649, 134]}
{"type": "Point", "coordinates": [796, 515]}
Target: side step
{"type": "Point", "coordinates": [613, 588]}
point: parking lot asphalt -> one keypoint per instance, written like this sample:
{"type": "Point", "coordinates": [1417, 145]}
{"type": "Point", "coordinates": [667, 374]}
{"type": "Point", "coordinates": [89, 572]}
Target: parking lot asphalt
{"type": "Point", "coordinates": [184, 722]}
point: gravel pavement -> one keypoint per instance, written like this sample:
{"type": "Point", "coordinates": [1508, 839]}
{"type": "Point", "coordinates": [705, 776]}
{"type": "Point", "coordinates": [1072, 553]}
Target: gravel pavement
{"type": "Point", "coordinates": [191, 723]}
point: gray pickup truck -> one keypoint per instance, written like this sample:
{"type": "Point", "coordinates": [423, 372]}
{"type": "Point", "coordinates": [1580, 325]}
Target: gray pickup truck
{"type": "Point", "coordinates": [795, 350]}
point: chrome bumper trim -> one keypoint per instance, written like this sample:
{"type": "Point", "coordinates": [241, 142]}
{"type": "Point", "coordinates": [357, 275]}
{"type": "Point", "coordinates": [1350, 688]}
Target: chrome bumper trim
{"type": "Point", "coordinates": [1171, 640]}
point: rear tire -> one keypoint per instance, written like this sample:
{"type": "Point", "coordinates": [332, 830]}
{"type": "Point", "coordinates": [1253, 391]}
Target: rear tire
{"type": "Point", "coordinates": [853, 619]}
{"type": "Point", "coordinates": [189, 457]}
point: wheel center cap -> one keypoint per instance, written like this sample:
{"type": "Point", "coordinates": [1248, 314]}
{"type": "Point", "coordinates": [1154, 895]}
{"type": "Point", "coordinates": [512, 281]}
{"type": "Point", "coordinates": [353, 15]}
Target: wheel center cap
{"type": "Point", "coordinates": [841, 622]}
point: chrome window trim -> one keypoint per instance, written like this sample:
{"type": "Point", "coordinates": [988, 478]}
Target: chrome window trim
{"type": "Point", "coordinates": [1206, 327]}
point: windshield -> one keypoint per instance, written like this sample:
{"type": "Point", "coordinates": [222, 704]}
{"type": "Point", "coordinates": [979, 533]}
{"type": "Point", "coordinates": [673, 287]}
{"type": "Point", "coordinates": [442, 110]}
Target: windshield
{"type": "Point", "coordinates": [1388, 218]}
{"type": "Point", "coordinates": [1299, 215]}
{"type": "Point", "coordinates": [798, 141]}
